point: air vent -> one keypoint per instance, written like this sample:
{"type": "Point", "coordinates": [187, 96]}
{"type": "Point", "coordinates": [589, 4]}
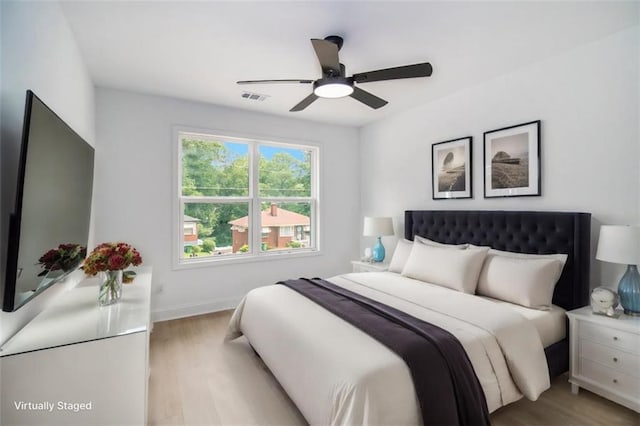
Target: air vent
{"type": "Point", "coordinates": [254, 96]}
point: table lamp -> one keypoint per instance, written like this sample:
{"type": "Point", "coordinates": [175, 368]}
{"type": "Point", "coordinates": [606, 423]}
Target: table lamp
{"type": "Point", "coordinates": [621, 244]}
{"type": "Point", "coordinates": [377, 227]}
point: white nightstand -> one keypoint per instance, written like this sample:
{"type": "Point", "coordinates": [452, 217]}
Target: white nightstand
{"type": "Point", "coordinates": [605, 356]}
{"type": "Point", "coordinates": [359, 266]}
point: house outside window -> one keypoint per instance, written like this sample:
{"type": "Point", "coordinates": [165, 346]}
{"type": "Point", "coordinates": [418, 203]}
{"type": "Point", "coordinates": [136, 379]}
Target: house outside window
{"type": "Point", "coordinates": [190, 226]}
{"type": "Point", "coordinates": [228, 187]}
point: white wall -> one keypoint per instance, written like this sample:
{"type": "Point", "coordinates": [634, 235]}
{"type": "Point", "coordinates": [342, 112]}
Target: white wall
{"type": "Point", "coordinates": [134, 199]}
{"type": "Point", "coordinates": [587, 100]}
{"type": "Point", "coordinates": [39, 53]}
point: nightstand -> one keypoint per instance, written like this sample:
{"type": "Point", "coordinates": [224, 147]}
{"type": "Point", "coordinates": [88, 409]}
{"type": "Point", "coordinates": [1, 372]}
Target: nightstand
{"type": "Point", "coordinates": [359, 266]}
{"type": "Point", "coordinates": [605, 356]}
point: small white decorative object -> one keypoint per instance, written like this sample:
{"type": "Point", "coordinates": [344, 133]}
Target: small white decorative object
{"type": "Point", "coordinates": [604, 301]}
{"type": "Point", "coordinates": [367, 255]}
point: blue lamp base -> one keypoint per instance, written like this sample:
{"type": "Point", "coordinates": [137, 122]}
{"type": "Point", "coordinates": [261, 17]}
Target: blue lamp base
{"type": "Point", "coordinates": [629, 291]}
{"type": "Point", "coordinates": [378, 252]}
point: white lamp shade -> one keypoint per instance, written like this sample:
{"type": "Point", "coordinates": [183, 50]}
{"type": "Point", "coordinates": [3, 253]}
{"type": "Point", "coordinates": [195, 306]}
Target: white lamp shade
{"type": "Point", "coordinates": [619, 244]}
{"type": "Point", "coordinates": [377, 226]}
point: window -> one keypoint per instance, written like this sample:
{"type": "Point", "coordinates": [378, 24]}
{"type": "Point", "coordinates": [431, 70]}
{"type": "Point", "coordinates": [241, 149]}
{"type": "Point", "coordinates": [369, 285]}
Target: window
{"type": "Point", "coordinates": [230, 187]}
{"type": "Point", "coordinates": [286, 231]}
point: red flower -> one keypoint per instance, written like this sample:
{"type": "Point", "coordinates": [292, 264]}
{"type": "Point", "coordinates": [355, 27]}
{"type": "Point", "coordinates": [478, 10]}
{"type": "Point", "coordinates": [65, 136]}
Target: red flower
{"type": "Point", "coordinates": [116, 262]}
{"type": "Point", "coordinates": [49, 256]}
{"type": "Point", "coordinates": [137, 259]}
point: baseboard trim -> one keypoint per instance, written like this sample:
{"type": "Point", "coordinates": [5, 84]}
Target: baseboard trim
{"type": "Point", "coordinates": [189, 310]}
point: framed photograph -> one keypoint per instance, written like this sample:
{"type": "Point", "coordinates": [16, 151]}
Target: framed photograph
{"type": "Point", "coordinates": [451, 168]}
{"type": "Point", "coordinates": [512, 161]}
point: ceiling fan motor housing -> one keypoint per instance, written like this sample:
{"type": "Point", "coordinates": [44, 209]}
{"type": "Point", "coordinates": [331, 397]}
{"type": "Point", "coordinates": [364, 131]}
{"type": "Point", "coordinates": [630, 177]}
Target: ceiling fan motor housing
{"type": "Point", "coordinates": [337, 40]}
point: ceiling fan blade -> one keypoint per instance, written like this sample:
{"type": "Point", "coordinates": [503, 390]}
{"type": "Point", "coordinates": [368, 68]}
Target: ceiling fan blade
{"type": "Point", "coordinates": [304, 103]}
{"type": "Point", "coordinates": [406, 71]}
{"type": "Point", "coordinates": [327, 53]}
{"type": "Point", "coordinates": [287, 81]}
{"type": "Point", "coordinates": [368, 98]}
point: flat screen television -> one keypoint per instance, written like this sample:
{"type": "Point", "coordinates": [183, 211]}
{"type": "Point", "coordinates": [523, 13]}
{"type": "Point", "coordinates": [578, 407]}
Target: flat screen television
{"type": "Point", "coordinates": [53, 202]}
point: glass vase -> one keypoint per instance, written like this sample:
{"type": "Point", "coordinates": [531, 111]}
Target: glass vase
{"type": "Point", "coordinates": [629, 291]}
{"type": "Point", "coordinates": [110, 287]}
{"type": "Point", "coordinates": [378, 251]}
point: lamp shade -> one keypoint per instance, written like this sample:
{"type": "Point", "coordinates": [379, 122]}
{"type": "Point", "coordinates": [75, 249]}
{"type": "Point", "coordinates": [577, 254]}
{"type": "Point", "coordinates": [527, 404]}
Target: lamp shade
{"type": "Point", "coordinates": [619, 244]}
{"type": "Point", "coordinates": [377, 226]}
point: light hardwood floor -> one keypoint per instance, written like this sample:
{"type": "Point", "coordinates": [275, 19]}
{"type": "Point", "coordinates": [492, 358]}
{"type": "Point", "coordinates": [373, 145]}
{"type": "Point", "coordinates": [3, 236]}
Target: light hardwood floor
{"type": "Point", "coordinates": [196, 379]}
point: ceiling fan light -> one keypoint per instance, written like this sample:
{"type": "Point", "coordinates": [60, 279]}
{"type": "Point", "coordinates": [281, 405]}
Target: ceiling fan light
{"type": "Point", "coordinates": [334, 88]}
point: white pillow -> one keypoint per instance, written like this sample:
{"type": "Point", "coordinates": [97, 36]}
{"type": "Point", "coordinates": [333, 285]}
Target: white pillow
{"type": "Point", "coordinates": [561, 258]}
{"type": "Point", "coordinates": [403, 249]}
{"type": "Point", "coordinates": [525, 281]}
{"type": "Point", "coordinates": [400, 255]}
{"type": "Point", "coordinates": [455, 269]}
{"type": "Point", "coordinates": [429, 242]}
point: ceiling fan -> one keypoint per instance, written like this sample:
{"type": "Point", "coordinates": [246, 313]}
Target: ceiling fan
{"type": "Point", "coordinates": [334, 82]}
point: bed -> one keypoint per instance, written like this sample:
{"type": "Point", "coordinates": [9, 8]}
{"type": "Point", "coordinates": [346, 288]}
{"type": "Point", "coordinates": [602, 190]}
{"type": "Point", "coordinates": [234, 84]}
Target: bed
{"type": "Point", "coordinates": [336, 374]}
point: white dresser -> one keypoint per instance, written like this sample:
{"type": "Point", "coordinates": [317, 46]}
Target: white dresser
{"type": "Point", "coordinates": [605, 356]}
{"type": "Point", "coordinates": [80, 364]}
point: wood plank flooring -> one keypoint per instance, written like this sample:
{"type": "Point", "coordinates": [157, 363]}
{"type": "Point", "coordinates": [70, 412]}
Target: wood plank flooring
{"type": "Point", "coordinates": [196, 379]}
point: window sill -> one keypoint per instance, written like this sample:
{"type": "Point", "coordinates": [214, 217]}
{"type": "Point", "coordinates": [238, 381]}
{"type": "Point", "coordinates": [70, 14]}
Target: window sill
{"type": "Point", "coordinates": [213, 262]}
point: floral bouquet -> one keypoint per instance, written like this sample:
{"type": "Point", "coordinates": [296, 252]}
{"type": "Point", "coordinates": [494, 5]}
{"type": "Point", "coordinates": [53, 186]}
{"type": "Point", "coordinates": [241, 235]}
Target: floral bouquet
{"type": "Point", "coordinates": [111, 257]}
{"type": "Point", "coordinates": [65, 258]}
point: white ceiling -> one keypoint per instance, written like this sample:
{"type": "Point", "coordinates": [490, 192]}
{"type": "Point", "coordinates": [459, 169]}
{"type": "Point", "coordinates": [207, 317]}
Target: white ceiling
{"type": "Point", "coordinates": [198, 50]}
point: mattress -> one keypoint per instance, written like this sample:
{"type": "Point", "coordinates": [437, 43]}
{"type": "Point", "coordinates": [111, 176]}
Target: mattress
{"type": "Point", "coordinates": [551, 325]}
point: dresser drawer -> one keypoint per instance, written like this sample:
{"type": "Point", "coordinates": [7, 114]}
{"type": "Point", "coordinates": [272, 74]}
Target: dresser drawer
{"type": "Point", "coordinates": [610, 357]}
{"type": "Point", "coordinates": [610, 378]}
{"type": "Point", "coordinates": [608, 336]}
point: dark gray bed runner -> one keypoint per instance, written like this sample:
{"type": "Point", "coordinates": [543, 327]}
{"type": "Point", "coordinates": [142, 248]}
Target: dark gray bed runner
{"type": "Point", "coordinates": [446, 385]}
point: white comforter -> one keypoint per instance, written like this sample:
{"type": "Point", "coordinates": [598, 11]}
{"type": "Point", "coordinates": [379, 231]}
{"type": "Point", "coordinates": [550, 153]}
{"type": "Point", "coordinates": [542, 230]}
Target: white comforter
{"type": "Point", "coordinates": [336, 374]}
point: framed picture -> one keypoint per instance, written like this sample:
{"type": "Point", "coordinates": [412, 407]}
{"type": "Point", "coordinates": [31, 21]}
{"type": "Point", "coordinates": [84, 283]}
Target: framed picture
{"type": "Point", "coordinates": [512, 161]}
{"type": "Point", "coordinates": [451, 168]}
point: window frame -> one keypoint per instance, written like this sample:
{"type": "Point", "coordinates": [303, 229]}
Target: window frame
{"type": "Point", "coordinates": [253, 199]}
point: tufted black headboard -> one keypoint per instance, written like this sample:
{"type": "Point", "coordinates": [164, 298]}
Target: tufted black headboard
{"type": "Point", "coordinates": [524, 232]}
